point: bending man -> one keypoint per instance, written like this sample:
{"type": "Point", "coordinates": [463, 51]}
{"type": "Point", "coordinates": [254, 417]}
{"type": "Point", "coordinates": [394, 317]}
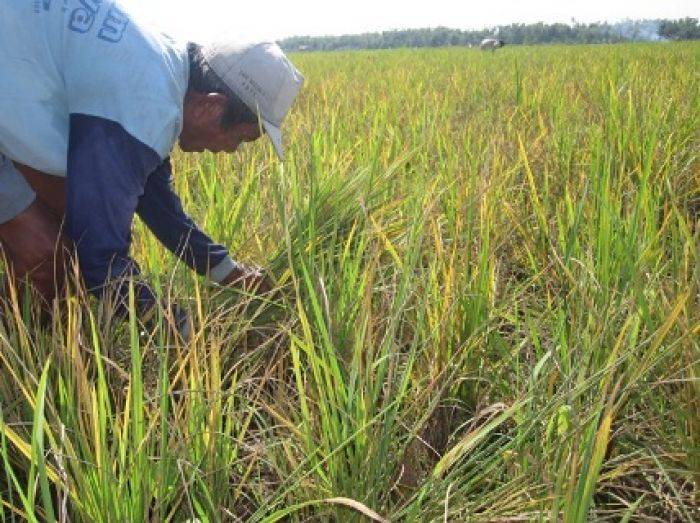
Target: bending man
{"type": "Point", "coordinates": [91, 105]}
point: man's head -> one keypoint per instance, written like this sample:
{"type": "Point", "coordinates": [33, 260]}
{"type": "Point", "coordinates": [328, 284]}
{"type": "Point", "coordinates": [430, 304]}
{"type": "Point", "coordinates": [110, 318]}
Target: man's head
{"type": "Point", "coordinates": [236, 93]}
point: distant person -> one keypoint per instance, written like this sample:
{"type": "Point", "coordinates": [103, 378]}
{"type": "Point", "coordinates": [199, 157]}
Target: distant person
{"type": "Point", "coordinates": [491, 44]}
{"type": "Point", "coordinates": [91, 106]}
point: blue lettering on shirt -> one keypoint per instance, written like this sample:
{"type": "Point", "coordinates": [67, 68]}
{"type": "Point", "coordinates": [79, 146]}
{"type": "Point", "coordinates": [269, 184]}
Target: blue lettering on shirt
{"type": "Point", "coordinates": [82, 18]}
{"type": "Point", "coordinates": [38, 4]}
{"type": "Point", "coordinates": [114, 26]}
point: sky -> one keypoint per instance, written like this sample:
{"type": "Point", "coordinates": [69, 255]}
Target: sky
{"type": "Point", "coordinates": [206, 20]}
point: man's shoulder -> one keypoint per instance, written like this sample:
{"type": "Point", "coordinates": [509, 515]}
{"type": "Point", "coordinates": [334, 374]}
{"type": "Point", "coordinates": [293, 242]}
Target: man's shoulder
{"type": "Point", "coordinates": [140, 83]}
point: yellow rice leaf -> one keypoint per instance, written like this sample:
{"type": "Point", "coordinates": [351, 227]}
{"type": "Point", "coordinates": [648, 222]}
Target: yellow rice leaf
{"type": "Point", "coordinates": [359, 507]}
{"type": "Point", "coordinates": [25, 449]}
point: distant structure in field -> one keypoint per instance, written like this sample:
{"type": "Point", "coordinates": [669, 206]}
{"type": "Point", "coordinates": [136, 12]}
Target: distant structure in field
{"type": "Point", "coordinates": [491, 44]}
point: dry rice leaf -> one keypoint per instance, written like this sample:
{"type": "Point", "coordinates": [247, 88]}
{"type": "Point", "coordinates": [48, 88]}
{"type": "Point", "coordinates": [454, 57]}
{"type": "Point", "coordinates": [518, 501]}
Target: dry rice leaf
{"type": "Point", "coordinates": [356, 505]}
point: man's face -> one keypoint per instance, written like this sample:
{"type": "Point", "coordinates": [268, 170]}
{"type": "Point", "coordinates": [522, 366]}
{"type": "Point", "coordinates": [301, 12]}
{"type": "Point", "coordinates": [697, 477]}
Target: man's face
{"type": "Point", "coordinates": [201, 128]}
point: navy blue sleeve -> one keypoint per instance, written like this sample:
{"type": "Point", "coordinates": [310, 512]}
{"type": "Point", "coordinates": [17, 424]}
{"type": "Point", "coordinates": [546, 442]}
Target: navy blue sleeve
{"type": "Point", "coordinates": [161, 210]}
{"type": "Point", "coordinates": [107, 173]}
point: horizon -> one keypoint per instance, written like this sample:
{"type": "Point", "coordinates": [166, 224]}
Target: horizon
{"type": "Point", "coordinates": [209, 19]}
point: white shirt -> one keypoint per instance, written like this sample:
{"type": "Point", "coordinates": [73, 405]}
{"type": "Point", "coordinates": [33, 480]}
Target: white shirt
{"type": "Point", "coordinates": [62, 57]}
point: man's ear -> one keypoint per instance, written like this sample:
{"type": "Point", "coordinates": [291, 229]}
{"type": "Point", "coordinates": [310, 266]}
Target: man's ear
{"type": "Point", "coordinates": [204, 108]}
{"type": "Point", "coordinates": [213, 106]}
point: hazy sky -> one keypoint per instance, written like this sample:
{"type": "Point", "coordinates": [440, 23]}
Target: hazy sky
{"type": "Point", "coordinates": [203, 20]}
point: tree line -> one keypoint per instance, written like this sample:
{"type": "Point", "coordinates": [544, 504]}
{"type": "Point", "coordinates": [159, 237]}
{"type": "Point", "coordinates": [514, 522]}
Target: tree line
{"type": "Point", "coordinates": [539, 33]}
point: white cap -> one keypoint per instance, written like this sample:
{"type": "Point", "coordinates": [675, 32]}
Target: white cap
{"type": "Point", "coordinates": [262, 77]}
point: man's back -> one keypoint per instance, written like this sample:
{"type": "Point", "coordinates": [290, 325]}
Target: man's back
{"type": "Point", "coordinates": [83, 57]}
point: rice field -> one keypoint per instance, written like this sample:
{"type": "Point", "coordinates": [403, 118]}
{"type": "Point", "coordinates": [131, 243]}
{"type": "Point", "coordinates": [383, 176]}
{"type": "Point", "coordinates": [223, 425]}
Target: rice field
{"type": "Point", "coordinates": [488, 311]}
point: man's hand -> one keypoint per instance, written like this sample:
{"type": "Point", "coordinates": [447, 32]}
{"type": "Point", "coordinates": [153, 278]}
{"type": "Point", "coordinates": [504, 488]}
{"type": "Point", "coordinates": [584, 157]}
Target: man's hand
{"type": "Point", "coordinates": [249, 279]}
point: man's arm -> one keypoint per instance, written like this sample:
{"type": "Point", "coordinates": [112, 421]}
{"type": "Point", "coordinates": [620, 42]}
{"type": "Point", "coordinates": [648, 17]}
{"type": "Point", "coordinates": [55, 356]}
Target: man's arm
{"type": "Point", "coordinates": [107, 172]}
{"type": "Point", "coordinates": [161, 210]}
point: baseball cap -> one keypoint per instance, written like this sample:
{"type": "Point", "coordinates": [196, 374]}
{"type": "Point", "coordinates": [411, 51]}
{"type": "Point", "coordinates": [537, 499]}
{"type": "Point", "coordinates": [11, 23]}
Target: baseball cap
{"type": "Point", "coordinates": [262, 77]}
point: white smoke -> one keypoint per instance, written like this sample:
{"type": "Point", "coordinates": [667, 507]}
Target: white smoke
{"type": "Point", "coordinates": [644, 31]}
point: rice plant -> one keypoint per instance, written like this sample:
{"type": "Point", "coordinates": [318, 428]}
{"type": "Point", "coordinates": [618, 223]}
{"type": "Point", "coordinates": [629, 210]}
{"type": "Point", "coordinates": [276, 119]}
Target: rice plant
{"type": "Point", "coordinates": [488, 311]}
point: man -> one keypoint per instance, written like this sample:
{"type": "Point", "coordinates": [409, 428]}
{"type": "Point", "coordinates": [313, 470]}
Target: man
{"type": "Point", "coordinates": [91, 105]}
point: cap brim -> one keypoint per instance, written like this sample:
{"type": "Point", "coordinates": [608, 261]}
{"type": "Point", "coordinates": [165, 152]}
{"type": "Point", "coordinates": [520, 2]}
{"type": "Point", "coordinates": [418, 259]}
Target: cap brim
{"type": "Point", "coordinates": [275, 134]}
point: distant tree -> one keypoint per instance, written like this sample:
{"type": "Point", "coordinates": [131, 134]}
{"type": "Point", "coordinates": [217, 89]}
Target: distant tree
{"type": "Point", "coordinates": [683, 29]}
{"type": "Point", "coordinates": [538, 33]}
